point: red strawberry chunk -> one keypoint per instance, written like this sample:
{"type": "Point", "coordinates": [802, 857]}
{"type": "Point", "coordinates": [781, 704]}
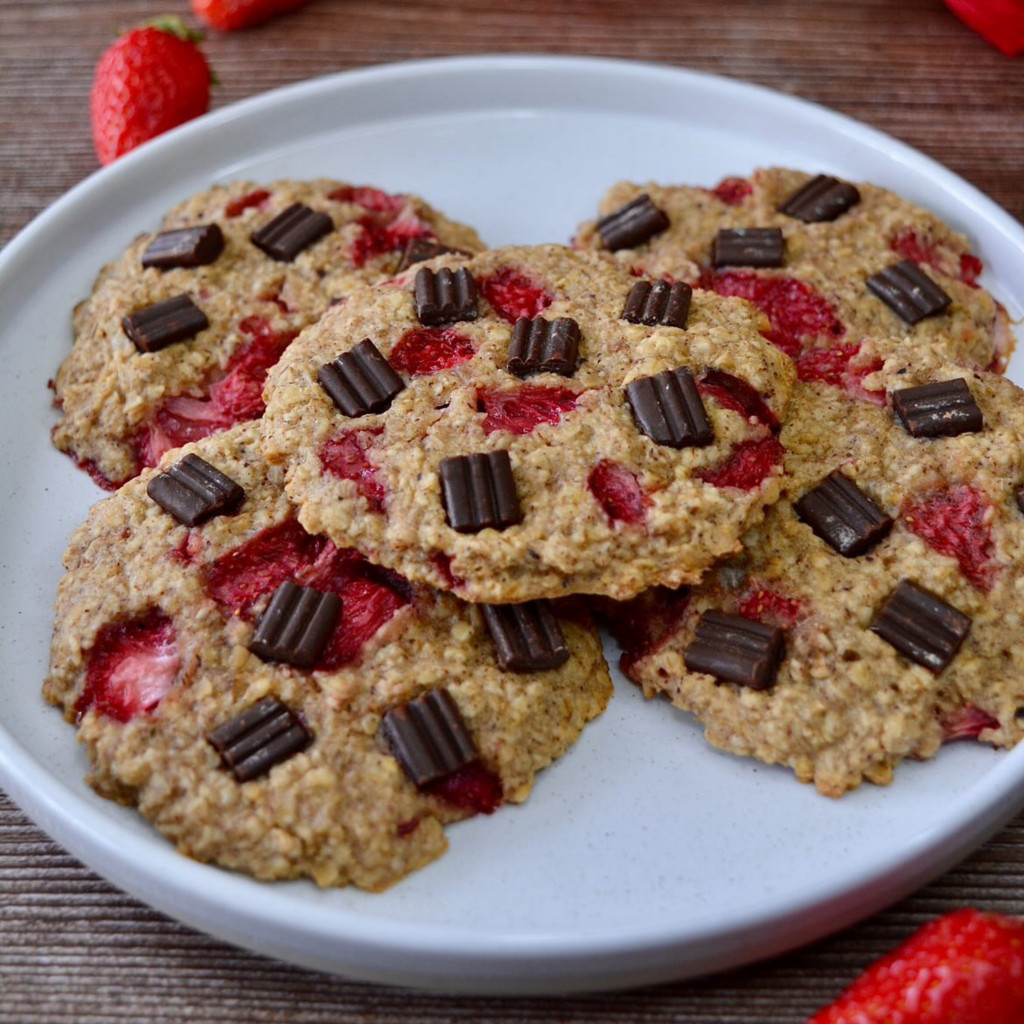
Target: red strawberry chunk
{"type": "Point", "coordinates": [957, 523]}
{"type": "Point", "coordinates": [369, 596]}
{"type": "Point", "coordinates": [513, 295]}
{"type": "Point", "coordinates": [749, 464]}
{"type": "Point", "coordinates": [798, 315]}
{"type": "Point", "coordinates": [732, 191]}
{"type": "Point", "coordinates": [519, 410]}
{"type": "Point", "coordinates": [379, 236]}
{"type": "Point", "coordinates": [966, 967]}
{"type": "Point", "coordinates": [967, 724]}
{"type": "Point", "coordinates": [365, 606]}
{"type": "Point", "coordinates": [345, 455]}
{"type": "Point", "coordinates": [473, 788]}
{"type": "Point", "coordinates": [618, 492]}
{"type": "Point", "coordinates": [429, 349]}
{"type": "Point", "coordinates": [765, 605]}
{"type": "Point", "coordinates": [908, 244]}
{"type": "Point", "coordinates": [442, 561]}
{"type": "Point", "coordinates": [369, 198]}
{"type": "Point", "coordinates": [736, 394]}
{"type": "Point", "coordinates": [249, 201]}
{"type": "Point", "coordinates": [234, 398]}
{"type": "Point", "coordinates": [840, 367]}
{"type": "Point", "coordinates": [259, 566]}
{"type": "Point", "coordinates": [641, 626]}
{"type": "Point", "coordinates": [132, 667]}
{"type": "Point", "coordinates": [999, 22]}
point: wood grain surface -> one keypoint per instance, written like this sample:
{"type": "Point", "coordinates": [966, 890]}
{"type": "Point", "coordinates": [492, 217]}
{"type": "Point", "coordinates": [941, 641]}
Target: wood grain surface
{"type": "Point", "coordinates": [74, 949]}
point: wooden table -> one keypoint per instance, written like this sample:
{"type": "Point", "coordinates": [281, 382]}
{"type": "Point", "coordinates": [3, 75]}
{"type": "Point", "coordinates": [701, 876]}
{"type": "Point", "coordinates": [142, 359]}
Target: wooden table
{"type": "Point", "coordinates": [72, 948]}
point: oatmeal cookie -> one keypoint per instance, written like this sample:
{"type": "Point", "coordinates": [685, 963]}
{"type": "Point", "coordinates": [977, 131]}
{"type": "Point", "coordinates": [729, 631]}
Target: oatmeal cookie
{"type": "Point", "coordinates": [244, 268]}
{"type": "Point", "coordinates": [812, 263]}
{"type": "Point", "coordinates": [531, 422]}
{"type": "Point", "coordinates": [875, 613]}
{"type": "Point", "coordinates": [274, 704]}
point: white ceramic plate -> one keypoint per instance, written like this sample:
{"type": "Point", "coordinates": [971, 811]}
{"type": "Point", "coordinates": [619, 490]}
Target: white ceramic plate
{"type": "Point", "coordinates": [644, 855]}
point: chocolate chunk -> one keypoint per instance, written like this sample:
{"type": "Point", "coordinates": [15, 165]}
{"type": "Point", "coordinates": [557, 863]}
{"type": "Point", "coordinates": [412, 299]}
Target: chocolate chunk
{"type": "Point", "coordinates": [296, 626]}
{"type": "Point", "coordinates": [291, 231]}
{"type": "Point", "coordinates": [250, 744]}
{"type": "Point", "coordinates": [734, 649]}
{"type": "Point", "coordinates": [544, 346]}
{"type": "Point", "coordinates": [632, 225]}
{"type": "Point", "coordinates": [419, 249]}
{"type": "Point", "coordinates": [428, 737]}
{"type": "Point", "coordinates": [668, 409]}
{"type": "Point", "coordinates": [185, 247]}
{"type": "Point", "coordinates": [921, 626]}
{"type": "Point", "coordinates": [842, 515]}
{"type": "Point", "coordinates": [478, 491]}
{"type": "Point", "coordinates": [164, 323]}
{"type": "Point", "coordinates": [909, 292]}
{"type": "Point", "coordinates": [444, 297]}
{"type": "Point", "coordinates": [658, 303]}
{"type": "Point", "coordinates": [361, 380]}
{"type": "Point", "coordinates": [943, 409]}
{"type": "Point", "coordinates": [820, 199]}
{"type": "Point", "coordinates": [748, 247]}
{"type": "Point", "coordinates": [527, 637]}
{"type": "Point", "coordinates": [193, 491]}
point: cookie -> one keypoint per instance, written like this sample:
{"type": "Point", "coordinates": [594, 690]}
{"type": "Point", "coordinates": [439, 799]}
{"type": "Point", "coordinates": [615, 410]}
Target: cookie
{"type": "Point", "coordinates": [830, 263]}
{"type": "Point", "coordinates": [875, 613]}
{"type": "Point", "coordinates": [219, 687]}
{"type": "Point", "coordinates": [531, 422]}
{"type": "Point", "coordinates": [244, 268]}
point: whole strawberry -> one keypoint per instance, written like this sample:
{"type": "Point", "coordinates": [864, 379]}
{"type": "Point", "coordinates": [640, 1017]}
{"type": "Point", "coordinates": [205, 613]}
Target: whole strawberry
{"type": "Point", "coordinates": [151, 79]}
{"type": "Point", "coordinates": [227, 15]}
{"type": "Point", "coordinates": [964, 968]}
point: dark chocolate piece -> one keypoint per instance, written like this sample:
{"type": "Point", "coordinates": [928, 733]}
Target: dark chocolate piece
{"type": "Point", "coordinates": [527, 637]}
{"type": "Point", "coordinates": [735, 649]}
{"type": "Point", "coordinates": [821, 199]}
{"type": "Point", "coordinates": [668, 409]}
{"type": "Point", "coordinates": [296, 626]}
{"type": "Point", "coordinates": [632, 225]}
{"type": "Point", "coordinates": [842, 515]}
{"type": "Point", "coordinates": [922, 627]}
{"type": "Point", "coordinates": [909, 292]}
{"type": "Point", "coordinates": [164, 323]}
{"type": "Point", "coordinates": [193, 491]}
{"type": "Point", "coordinates": [943, 409]}
{"type": "Point", "coordinates": [658, 303]}
{"type": "Point", "coordinates": [292, 231]}
{"type": "Point", "coordinates": [544, 346]}
{"type": "Point", "coordinates": [250, 744]}
{"type": "Point", "coordinates": [478, 491]}
{"type": "Point", "coordinates": [428, 737]}
{"type": "Point", "coordinates": [185, 247]}
{"type": "Point", "coordinates": [748, 247]}
{"type": "Point", "coordinates": [360, 381]}
{"type": "Point", "coordinates": [444, 297]}
{"type": "Point", "coordinates": [419, 249]}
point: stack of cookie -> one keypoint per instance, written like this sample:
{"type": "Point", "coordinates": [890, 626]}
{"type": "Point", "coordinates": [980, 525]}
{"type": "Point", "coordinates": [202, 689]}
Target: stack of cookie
{"type": "Point", "coordinates": [745, 426]}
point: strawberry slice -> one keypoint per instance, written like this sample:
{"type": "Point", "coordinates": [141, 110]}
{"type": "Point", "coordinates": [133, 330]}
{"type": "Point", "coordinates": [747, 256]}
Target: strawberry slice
{"type": "Point", "coordinates": [734, 393]}
{"type": "Point", "coordinates": [250, 201]}
{"type": "Point", "coordinates": [618, 492]}
{"type": "Point", "coordinates": [369, 198]}
{"type": "Point", "coordinates": [967, 724]}
{"type": "Point", "coordinates": [132, 667]}
{"type": "Point", "coordinates": [344, 455]}
{"type": "Point", "coordinates": [472, 787]}
{"type": "Point", "coordinates": [642, 625]}
{"type": "Point", "coordinates": [236, 397]}
{"type": "Point", "coordinates": [957, 523]}
{"type": "Point", "coordinates": [749, 464]}
{"type": "Point", "coordinates": [380, 235]}
{"type": "Point", "coordinates": [840, 367]}
{"type": "Point", "coordinates": [732, 191]}
{"type": "Point", "coordinates": [425, 350]}
{"type": "Point", "coordinates": [797, 313]}
{"type": "Point", "coordinates": [966, 967]}
{"type": "Point", "coordinates": [519, 410]}
{"type": "Point", "coordinates": [513, 295]}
